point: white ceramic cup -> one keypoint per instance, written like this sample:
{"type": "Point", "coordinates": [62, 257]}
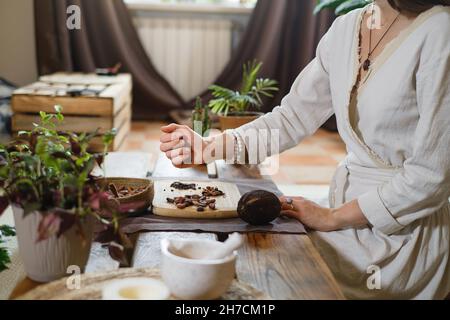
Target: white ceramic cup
{"type": "Point", "coordinates": [195, 279]}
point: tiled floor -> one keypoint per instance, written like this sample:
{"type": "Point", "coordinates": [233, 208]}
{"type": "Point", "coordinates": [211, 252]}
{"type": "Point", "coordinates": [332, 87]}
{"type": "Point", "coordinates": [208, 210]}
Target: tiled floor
{"type": "Point", "coordinates": [313, 162]}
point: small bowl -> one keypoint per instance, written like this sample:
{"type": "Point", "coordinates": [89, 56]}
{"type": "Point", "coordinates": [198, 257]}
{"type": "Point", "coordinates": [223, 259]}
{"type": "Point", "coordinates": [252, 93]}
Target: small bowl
{"type": "Point", "coordinates": [194, 279]}
{"type": "Point", "coordinates": [146, 196]}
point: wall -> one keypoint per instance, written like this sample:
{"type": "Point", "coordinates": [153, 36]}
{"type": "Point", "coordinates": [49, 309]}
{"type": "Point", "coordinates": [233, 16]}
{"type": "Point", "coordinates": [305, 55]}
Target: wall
{"type": "Point", "coordinates": [189, 44]}
{"type": "Point", "coordinates": [17, 45]}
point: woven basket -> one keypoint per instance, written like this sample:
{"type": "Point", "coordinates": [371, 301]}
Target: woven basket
{"type": "Point", "coordinates": [146, 196]}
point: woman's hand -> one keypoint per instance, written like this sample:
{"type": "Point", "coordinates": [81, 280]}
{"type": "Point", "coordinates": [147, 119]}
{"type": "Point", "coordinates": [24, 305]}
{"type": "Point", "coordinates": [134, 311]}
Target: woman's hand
{"type": "Point", "coordinates": [183, 146]}
{"type": "Point", "coordinates": [323, 219]}
{"type": "Point", "coordinates": [309, 213]}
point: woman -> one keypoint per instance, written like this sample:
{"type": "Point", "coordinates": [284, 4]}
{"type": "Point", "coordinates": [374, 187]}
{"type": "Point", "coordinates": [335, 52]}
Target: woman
{"type": "Point", "coordinates": [387, 232]}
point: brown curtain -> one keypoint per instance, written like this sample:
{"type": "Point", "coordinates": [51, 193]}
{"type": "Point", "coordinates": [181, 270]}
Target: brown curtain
{"type": "Point", "coordinates": [107, 36]}
{"type": "Point", "coordinates": [283, 34]}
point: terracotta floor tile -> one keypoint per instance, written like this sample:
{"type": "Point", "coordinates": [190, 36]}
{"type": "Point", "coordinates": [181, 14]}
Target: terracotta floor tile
{"type": "Point", "coordinates": [334, 148]}
{"type": "Point", "coordinates": [281, 178]}
{"type": "Point", "coordinates": [133, 144]}
{"type": "Point", "coordinates": [138, 126]}
{"type": "Point", "coordinates": [306, 150]}
{"type": "Point", "coordinates": [296, 160]}
{"type": "Point", "coordinates": [310, 174]}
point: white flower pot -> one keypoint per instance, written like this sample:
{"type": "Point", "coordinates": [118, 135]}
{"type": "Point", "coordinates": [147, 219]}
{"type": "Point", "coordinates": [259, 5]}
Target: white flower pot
{"type": "Point", "coordinates": [48, 260]}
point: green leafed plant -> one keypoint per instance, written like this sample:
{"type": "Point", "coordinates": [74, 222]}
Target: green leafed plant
{"type": "Point", "coordinates": [341, 6]}
{"type": "Point", "coordinates": [200, 118]}
{"type": "Point", "coordinates": [48, 172]}
{"type": "Point", "coordinates": [5, 233]}
{"type": "Point", "coordinates": [251, 94]}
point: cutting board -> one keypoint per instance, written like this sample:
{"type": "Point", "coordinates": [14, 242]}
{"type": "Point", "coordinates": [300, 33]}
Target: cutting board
{"type": "Point", "coordinates": [226, 206]}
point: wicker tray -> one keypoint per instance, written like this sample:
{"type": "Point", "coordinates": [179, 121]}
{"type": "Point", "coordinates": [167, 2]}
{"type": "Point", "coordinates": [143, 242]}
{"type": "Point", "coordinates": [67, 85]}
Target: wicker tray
{"type": "Point", "coordinates": [146, 196]}
{"type": "Point", "coordinates": [92, 284]}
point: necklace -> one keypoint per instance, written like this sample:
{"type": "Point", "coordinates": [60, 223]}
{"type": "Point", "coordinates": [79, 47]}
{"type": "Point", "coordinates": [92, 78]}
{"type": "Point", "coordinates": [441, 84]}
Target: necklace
{"type": "Point", "coordinates": [367, 63]}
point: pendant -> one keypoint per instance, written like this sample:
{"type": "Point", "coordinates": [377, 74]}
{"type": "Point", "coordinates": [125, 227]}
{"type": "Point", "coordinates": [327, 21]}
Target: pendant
{"type": "Point", "coordinates": [366, 65]}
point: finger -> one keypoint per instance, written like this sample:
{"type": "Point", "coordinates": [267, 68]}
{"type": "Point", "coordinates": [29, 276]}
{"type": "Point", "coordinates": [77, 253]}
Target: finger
{"type": "Point", "coordinates": [290, 214]}
{"type": "Point", "coordinates": [172, 145]}
{"type": "Point", "coordinates": [171, 128]}
{"type": "Point", "coordinates": [286, 199]}
{"type": "Point", "coordinates": [181, 160]}
{"type": "Point", "coordinates": [288, 207]}
{"type": "Point", "coordinates": [176, 135]}
{"type": "Point", "coordinates": [178, 152]}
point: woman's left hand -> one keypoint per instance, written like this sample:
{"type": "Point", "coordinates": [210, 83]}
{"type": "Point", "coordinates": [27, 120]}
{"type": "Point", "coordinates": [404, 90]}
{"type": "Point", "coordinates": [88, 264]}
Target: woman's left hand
{"type": "Point", "coordinates": [309, 213]}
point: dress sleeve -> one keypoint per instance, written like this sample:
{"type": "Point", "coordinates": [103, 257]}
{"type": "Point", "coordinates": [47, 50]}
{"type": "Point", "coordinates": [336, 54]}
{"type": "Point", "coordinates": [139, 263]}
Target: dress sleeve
{"type": "Point", "coordinates": [423, 186]}
{"type": "Point", "coordinates": [302, 111]}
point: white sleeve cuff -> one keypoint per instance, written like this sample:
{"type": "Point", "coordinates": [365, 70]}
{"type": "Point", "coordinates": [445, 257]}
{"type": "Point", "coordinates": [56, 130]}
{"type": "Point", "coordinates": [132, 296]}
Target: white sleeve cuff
{"type": "Point", "coordinates": [378, 215]}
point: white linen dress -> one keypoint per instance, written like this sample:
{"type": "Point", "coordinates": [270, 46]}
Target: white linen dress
{"type": "Point", "coordinates": [397, 132]}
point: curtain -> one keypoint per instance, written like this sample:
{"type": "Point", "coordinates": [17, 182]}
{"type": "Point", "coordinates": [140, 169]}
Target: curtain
{"type": "Point", "coordinates": [107, 36]}
{"type": "Point", "coordinates": [283, 34]}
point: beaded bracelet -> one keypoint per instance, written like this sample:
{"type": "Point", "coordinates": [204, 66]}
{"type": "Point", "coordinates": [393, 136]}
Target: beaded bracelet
{"type": "Point", "coordinates": [237, 146]}
{"type": "Point", "coordinates": [238, 149]}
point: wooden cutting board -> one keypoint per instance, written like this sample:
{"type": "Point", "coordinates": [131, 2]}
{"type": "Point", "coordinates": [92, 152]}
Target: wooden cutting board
{"type": "Point", "coordinates": [226, 206]}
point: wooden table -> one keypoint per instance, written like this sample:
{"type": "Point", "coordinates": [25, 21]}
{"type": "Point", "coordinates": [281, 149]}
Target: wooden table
{"type": "Point", "coordinates": [283, 266]}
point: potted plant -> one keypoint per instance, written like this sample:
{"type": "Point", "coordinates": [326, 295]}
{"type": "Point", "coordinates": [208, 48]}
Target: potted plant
{"type": "Point", "coordinates": [45, 175]}
{"type": "Point", "coordinates": [341, 6]}
{"type": "Point", "coordinates": [236, 108]}
{"type": "Point", "coordinates": [201, 123]}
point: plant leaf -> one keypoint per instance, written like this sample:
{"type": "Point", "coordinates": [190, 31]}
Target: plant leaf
{"type": "Point", "coordinates": [328, 4]}
{"type": "Point", "coordinates": [351, 5]}
{"type": "Point", "coordinates": [4, 203]}
{"type": "Point", "coordinates": [48, 226]}
{"type": "Point", "coordinates": [58, 108]}
{"type": "Point", "coordinates": [250, 73]}
{"type": "Point", "coordinates": [31, 207]}
{"type": "Point", "coordinates": [107, 235]}
{"type": "Point", "coordinates": [116, 251]}
{"type": "Point", "coordinates": [7, 231]}
{"type": "Point", "coordinates": [68, 220]}
{"type": "Point", "coordinates": [4, 259]}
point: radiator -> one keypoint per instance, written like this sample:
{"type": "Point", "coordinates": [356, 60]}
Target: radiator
{"type": "Point", "coordinates": [189, 53]}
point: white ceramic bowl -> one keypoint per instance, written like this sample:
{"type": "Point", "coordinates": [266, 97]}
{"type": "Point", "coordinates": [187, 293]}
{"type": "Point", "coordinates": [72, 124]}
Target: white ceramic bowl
{"type": "Point", "coordinates": [196, 279]}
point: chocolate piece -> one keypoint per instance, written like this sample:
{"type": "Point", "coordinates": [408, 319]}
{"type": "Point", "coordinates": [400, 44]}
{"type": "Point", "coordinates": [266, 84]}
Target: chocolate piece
{"type": "Point", "coordinates": [181, 206]}
{"type": "Point", "coordinates": [123, 191]}
{"type": "Point", "coordinates": [259, 207]}
{"type": "Point", "coordinates": [183, 186]}
{"type": "Point", "coordinates": [113, 190]}
{"type": "Point", "coordinates": [212, 192]}
{"type": "Point", "coordinates": [201, 202]}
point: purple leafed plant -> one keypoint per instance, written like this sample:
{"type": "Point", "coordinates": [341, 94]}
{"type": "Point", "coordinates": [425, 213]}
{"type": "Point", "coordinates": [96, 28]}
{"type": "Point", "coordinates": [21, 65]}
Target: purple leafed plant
{"type": "Point", "coordinates": [48, 172]}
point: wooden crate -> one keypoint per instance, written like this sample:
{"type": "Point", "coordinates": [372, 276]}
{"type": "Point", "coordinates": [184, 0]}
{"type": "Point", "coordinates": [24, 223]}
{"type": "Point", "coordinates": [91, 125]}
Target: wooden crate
{"type": "Point", "coordinates": [108, 106]}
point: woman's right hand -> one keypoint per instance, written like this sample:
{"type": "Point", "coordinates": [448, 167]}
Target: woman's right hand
{"type": "Point", "coordinates": [183, 146]}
